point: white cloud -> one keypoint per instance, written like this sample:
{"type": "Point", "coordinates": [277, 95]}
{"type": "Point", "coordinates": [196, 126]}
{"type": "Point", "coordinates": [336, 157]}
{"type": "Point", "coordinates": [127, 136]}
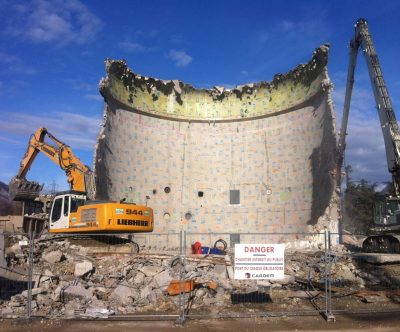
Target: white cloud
{"type": "Point", "coordinates": [59, 21]}
{"type": "Point", "coordinates": [78, 131]}
{"type": "Point", "coordinates": [15, 64]}
{"type": "Point", "coordinates": [132, 47]}
{"type": "Point", "coordinates": [286, 25]}
{"type": "Point", "coordinates": [301, 34]}
{"type": "Point", "coordinates": [78, 84]}
{"type": "Point", "coordinates": [181, 58]}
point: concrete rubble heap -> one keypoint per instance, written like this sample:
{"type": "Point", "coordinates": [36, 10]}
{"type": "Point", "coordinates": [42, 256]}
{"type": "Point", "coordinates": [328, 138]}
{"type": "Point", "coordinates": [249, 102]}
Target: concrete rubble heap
{"type": "Point", "coordinates": [76, 283]}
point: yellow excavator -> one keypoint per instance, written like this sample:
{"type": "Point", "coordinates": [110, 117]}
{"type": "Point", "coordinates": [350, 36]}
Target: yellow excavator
{"type": "Point", "coordinates": [75, 211]}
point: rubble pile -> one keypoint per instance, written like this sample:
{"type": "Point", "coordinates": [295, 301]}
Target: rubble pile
{"type": "Point", "coordinates": [71, 280]}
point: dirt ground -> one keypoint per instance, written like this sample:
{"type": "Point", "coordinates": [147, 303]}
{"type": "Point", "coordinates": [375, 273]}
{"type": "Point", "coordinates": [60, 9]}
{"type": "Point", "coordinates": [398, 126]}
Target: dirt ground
{"type": "Point", "coordinates": [384, 322]}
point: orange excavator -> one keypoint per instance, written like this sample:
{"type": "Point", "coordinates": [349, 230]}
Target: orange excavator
{"type": "Point", "coordinates": [73, 211]}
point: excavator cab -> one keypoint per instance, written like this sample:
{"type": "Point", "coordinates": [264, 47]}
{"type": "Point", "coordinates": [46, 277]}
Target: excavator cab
{"type": "Point", "coordinates": [387, 211]}
{"type": "Point", "coordinates": [63, 205]}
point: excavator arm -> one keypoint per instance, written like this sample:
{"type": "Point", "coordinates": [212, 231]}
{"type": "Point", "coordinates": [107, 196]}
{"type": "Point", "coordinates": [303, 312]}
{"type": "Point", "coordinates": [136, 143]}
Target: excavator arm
{"type": "Point", "coordinates": [79, 176]}
{"type": "Point", "coordinates": [390, 129]}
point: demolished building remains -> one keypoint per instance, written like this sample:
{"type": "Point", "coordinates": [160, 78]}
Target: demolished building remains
{"type": "Point", "coordinates": [255, 158]}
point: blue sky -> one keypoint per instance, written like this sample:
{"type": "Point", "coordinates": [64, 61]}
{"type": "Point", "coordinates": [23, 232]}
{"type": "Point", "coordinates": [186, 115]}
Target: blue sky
{"type": "Point", "coordinates": [52, 58]}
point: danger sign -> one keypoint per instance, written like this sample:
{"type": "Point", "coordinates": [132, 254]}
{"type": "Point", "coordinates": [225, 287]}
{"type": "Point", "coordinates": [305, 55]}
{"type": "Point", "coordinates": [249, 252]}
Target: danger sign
{"type": "Point", "coordinates": [259, 261]}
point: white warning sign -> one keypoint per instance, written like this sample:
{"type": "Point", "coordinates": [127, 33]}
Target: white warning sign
{"type": "Point", "coordinates": [259, 261]}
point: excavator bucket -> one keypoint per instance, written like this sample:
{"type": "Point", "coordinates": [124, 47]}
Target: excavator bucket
{"type": "Point", "coordinates": [23, 190]}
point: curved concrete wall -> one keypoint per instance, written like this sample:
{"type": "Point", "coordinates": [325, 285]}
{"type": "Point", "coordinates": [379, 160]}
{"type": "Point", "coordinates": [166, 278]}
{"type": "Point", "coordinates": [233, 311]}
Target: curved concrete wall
{"type": "Point", "coordinates": [257, 158]}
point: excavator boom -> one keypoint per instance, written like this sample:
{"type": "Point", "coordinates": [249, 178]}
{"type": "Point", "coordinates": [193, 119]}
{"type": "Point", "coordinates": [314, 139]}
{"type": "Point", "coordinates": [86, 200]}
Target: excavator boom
{"type": "Point", "coordinates": [384, 237]}
{"type": "Point", "coordinates": [79, 176]}
{"type": "Point", "coordinates": [391, 134]}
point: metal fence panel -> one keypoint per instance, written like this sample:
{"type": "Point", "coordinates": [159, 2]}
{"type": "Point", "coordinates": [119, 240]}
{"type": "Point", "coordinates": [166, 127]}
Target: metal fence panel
{"type": "Point", "coordinates": [95, 276]}
{"type": "Point", "coordinates": [165, 276]}
{"type": "Point", "coordinates": [217, 293]}
{"type": "Point", "coordinates": [364, 282]}
{"type": "Point", "coordinates": [14, 275]}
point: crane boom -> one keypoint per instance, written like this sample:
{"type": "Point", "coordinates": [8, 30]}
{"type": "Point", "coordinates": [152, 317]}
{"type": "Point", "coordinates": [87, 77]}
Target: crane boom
{"type": "Point", "coordinates": [390, 129]}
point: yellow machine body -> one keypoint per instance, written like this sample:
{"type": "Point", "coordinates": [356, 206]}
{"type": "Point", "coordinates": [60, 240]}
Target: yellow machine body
{"type": "Point", "coordinates": [70, 214]}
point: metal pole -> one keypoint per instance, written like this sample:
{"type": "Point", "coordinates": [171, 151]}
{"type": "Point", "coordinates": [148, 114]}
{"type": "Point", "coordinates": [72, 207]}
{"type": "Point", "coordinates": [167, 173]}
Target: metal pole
{"type": "Point", "coordinates": [182, 245]}
{"type": "Point", "coordinates": [326, 272]}
{"type": "Point", "coordinates": [330, 276]}
{"type": "Point", "coordinates": [32, 233]}
{"type": "Point", "coordinates": [328, 287]}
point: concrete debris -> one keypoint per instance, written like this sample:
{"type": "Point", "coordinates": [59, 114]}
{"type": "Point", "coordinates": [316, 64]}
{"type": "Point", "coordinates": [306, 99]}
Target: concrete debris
{"type": "Point", "coordinates": [99, 312]}
{"type": "Point", "coordinates": [150, 271]}
{"type": "Point", "coordinates": [83, 268]}
{"type": "Point", "coordinates": [125, 294]}
{"type": "Point", "coordinates": [35, 291]}
{"type": "Point", "coordinates": [73, 292]}
{"type": "Point", "coordinates": [53, 257]}
{"type": "Point", "coordinates": [103, 285]}
{"type": "Point", "coordinates": [163, 279]}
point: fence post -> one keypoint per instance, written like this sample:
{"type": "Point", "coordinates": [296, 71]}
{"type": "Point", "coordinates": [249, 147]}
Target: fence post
{"type": "Point", "coordinates": [182, 276]}
{"type": "Point", "coordinates": [32, 233]}
{"type": "Point", "coordinates": [3, 263]}
{"type": "Point", "coordinates": [328, 282]}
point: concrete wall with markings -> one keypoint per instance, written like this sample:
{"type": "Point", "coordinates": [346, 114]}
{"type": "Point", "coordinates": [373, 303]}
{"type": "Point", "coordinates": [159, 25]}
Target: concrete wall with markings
{"type": "Point", "coordinates": [264, 167]}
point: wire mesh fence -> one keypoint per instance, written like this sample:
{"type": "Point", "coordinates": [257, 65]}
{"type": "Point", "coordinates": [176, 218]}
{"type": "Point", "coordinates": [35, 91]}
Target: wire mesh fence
{"type": "Point", "coordinates": [192, 275]}
{"type": "Point", "coordinates": [364, 282]}
{"type": "Point", "coordinates": [14, 274]}
{"type": "Point", "coordinates": [235, 285]}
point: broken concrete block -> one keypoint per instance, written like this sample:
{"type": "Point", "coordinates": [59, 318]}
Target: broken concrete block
{"type": "Point", "coordinates": [96, 312]}
{"type": "Point", "coordinates": [35, 291]}
{"type": "Point", "coordinates": [209, 301]}
{"type": "Point", "coordinates": [163, 279]}
{"type": "Point", "coordinates": [53, 256]}
{"type": "Point", "coordinates": [288, 279]}
{"type": "Point", "coordinates": [83, 268]}
{"type": "Point", "coordinates": [139, 278]}
{"type": "Point", "coordinates": [47, 275]}
{"type": "Point", "coordinates": [145, 292]}
{"type": "Point", "coordinates": [43, 299]}
{"type": "Point", "coordinates": [190, 267]}
{"type": "Point", "coordinates": [125, 294]}
{"type": "Point", "coordinates": [73, 292]}
{"type": "Point", "coordinates": [6, 311]}
{"type": "Point", "coordinates": [263, 283]}
{"type": "Point", "coordinates": [220, 270]}
{"type": "Point", "coordinates": [151, 270]}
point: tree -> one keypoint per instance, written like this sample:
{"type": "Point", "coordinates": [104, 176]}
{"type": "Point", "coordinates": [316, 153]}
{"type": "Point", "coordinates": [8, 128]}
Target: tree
{"type": "Point", "coordinates": [358, 205]}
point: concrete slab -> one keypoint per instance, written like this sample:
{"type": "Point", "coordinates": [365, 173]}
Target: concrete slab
{"type": "Point", "coordinates": [378, 258]}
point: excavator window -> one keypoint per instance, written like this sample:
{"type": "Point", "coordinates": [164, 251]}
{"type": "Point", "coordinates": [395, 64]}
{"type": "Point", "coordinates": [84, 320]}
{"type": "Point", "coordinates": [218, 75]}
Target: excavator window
{"type": "Point", "coordinates": [392, 207]}
{"type": "Point", "coordinates": [75, 203]}
{"type": "Point", "coordinates": [66, 206]}
{"type": "Point", "coordinates": [56, 214]}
